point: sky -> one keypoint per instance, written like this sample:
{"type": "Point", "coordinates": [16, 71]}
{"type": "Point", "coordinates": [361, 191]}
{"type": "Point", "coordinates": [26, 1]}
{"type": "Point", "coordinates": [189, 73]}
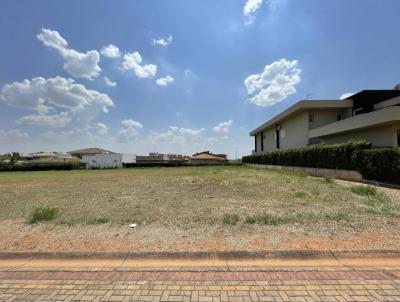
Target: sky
{"type": "Point", "coordinates": [180, 76]}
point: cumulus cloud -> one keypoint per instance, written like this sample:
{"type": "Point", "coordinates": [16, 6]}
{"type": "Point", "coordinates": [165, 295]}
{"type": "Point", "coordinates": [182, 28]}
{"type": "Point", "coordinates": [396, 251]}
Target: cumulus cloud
{"type": "Point", "coordinates": [165, 81]}
{"type": "Point", "coordinates": [110, 51]}
{"type": "Point", "coordinates": [109, 83]}
{"type": "Point", "coordinates": [129, 130]}
{"type": "Point", "coordinates": [14, 134]}
{"type": "Point", "coordinates": [163, 41]}
{"type": "Point", "coordinates": [56, 101]}
{"type": "Point", "coordinates": [250, 8]}
{"type": "Point", "coordinates": [274, 84]}
{"type": "Point", "coordinates": [132, 61]}
{"type": "Point", "coordinates": [223, 127]}
{"type": "Point", "coordinates": [101, 128]}
{"type": "Point", "coordinates": [78, 64]}
{"type": "Point", "coordinates": [346, 95]}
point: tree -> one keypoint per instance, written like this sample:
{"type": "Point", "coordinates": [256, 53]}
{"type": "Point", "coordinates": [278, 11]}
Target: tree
{"type": "Point", "coordinates": [14, 157]}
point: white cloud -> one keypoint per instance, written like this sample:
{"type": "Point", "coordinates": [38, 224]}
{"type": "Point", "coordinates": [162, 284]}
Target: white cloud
{"type": "Point", "coordinates": [163, 41]}
{"type": "Point", "coordinates": [131, 123]}
{"type": "Point", "coordinates": [188, 72]}
{"type": "Point", "coordinates": [346, 95]}
{"type": "Point", "coordinates": [57, 102]}
{"type": "Point", "coordinates": [250, 8]}
{"type": "Point", "coordinates": [223, 127]}
{"type": "Point", "coordinates": [129, 130]}
{"type": "Point", "coordinates": [110, 51]}
{"type": "Point", "coordinates": [78, 64]}
{"type": "Point", "coordinates": [102, 129]}
{"type": "Point", "coordinates": [109, 83]}
{"type": "Point", "coordinates": [14, 134]}
{"type": "Point", "coordinates": [274, 84]}
{"type": "Point", "coordinates": [132, 61]}
{"type": "Point", "coordinates": [165, 81]}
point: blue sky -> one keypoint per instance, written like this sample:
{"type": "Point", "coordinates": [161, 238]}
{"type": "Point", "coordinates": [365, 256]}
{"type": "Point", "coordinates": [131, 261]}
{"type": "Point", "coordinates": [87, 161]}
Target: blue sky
{"type": "Point", "coordinates": [182, 76]}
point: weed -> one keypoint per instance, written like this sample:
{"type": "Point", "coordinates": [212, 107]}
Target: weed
{"type": "Point", "coordinates": [230, 218]}
{"type": "Point", "coordinates": [364, 190]}
{"type": "Point", "coordinates": [300, 194]}
{"type": "Point", "coordinates": [329, 180]}
{"type": "Point", "coordinates": [43, 214]}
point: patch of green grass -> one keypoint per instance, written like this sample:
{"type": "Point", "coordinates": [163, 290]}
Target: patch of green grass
{"type": "Point", "coordinates": [301, 217]}
{"type": "Point", "coordinates": [99, 220]}
{"type": "Point", "coordinates": [364, 190]}
{"type": "Point", "coordinates": [43, 214]}
{"type": "Point", "coordinates": [230, 218]}
{"type": "Point", "coordinates": [378, 203]}
{"type": "Point", "coordinates": [329, 180]}
{"type": "Point", "coordinates": [300, 194]}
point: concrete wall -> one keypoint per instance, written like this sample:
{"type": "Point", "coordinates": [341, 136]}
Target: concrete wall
{"type": "Point", "coordinates": [102, 161]}
{"type": "Point", "coordinates": [379, 137]}
{"type": "Point", "coordinates": [296, 130]}
{"type": "Point", "coordinates": [335, 173]}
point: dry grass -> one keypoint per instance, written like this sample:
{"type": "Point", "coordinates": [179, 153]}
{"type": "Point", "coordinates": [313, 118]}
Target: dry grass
{"type": "Point", "coordinates": [183, 197]}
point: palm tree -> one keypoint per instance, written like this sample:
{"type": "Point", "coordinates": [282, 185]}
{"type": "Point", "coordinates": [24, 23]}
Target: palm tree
{"type": "Point", "coordinates": [14, 157]}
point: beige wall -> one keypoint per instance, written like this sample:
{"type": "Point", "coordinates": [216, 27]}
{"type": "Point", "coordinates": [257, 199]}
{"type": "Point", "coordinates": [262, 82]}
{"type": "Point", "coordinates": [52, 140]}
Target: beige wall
{"type": "Point", "coordinates": [327, 116]}
{"type": "Point", "coordinates": [395, 128]}
{"type": "Point", "coordinates": [379, 137]}
{"type": "Point", "coordinates": [296, 130]}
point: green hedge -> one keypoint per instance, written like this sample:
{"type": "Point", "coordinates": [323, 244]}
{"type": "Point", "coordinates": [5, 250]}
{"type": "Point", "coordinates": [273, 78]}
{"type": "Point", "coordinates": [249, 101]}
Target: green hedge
{"type": "Point", "coordinates": [38, 167]}
{"type": "Point", "coordinates": [338, 156]}
{"type": "Point", "coordinates": [381, 164]}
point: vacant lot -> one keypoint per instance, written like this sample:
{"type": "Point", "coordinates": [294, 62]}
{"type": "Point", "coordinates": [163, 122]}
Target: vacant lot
{"type": "Point", "coordinates": [192, 208]}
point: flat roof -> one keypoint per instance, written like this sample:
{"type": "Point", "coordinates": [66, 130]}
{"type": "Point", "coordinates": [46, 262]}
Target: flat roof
{"type": "Point", "coordinates": [302, 106]}
{"type": "Point", "coordinates": [372, 119]}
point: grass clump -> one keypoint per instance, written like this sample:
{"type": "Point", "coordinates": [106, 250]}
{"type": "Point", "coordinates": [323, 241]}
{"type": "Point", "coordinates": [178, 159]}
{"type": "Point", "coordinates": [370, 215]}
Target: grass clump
{"type": "Point", "coordinates": [329, 180]}
{"type": "Point", "coordinates": [43, 214]}
{"type": "Point", "coordinates": [230, 218]}
{"type": "Point", "coordinates": [300, 194]}
{"type": "Point", "coordinates": [99, 220]}
{"type": "Point", "coordinates": [266, 218]}
{"type": "Point", "coordinates": [365, 190]}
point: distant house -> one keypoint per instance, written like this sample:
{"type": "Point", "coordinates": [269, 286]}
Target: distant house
{"type": "Point", "coordinates": [102, 161]}
{"type": "Point", "coordinates": [88, 152]}
{"type": "Point", "coordinates": [160, 158]}
{"type": "Point", "coordinates": [370, 115]}
{"type": "Point", "coordinates": [48, 157]}
{"type": "Point", "coordinates": [207, 158]}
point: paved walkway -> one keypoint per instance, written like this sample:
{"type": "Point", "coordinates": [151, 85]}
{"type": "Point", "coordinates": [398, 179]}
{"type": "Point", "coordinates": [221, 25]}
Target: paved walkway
{"type": "Point", "coordinates": [198, 283]}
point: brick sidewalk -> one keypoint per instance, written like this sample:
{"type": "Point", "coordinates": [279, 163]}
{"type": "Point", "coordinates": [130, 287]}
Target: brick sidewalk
{"type": "Point", "coordinates": [307, 285]}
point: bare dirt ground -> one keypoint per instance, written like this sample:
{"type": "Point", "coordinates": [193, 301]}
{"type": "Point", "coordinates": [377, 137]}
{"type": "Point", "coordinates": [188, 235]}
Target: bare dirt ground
{"type": "Point", "coordinates": [182, 210]}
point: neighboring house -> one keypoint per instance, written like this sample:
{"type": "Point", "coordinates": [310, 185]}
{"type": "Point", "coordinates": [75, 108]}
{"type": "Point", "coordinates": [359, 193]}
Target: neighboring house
{"type": "Point", "coordinates": [159, 158]}
{"type": "Point", "coordinates": [48, 157]}
{"type": "Point", "coordinates": [371, 115]}
{"type": "Point", "coordinates": [102, 161]}
{"type": "Point", "coordinates": [207, 158]}
{"type": "Point", "coordinates": [89, 151]}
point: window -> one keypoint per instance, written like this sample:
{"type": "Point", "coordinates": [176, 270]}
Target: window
{"type": "Point", "coordinates": [283, 133]}
{"type": "Point", "coordinates": [339, 117]}
{"type": "Point", "coordinates": [311, 117]}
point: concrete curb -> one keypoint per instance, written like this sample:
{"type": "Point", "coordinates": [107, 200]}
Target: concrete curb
{"type": "Point", "coordinates": [228, 255]}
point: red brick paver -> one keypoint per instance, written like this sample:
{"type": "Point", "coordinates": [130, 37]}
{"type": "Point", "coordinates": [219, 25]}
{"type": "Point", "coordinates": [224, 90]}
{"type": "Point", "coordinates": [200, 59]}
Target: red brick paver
{"type": "Point", "coordinates": [306, 285]}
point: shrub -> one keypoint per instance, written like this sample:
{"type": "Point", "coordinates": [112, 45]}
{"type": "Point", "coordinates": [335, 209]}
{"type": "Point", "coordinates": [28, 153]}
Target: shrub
{"type": "Point", "coordinates": [43, 214]}
{"type": "Point", "coordinates": [230, 218]}
{"type": "Point", "coordinates": [380, 164]}
{"type": "Point", "coordinates": [8, 167]}
{"type": "Point", "coordinates": [338, 156]}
